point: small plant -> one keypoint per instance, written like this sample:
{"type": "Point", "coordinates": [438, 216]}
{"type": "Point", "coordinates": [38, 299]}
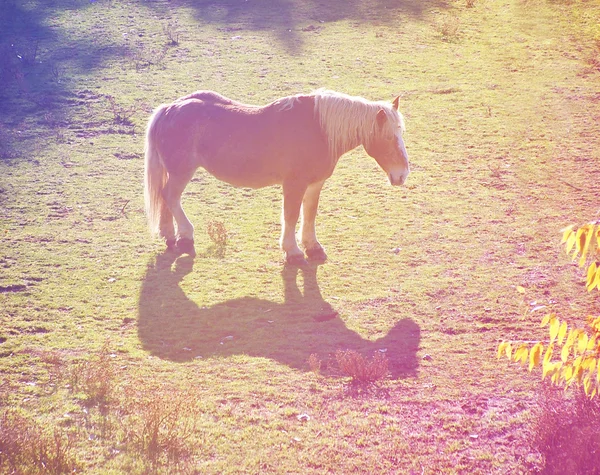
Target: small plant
{"type": "Point", "coordinates": [29, 53]}
{"type": "Point", "coordinates": [488, 109]}
{"type": "Point", "coordinates": [158, 424]}
{"type": "Point", "coordinates": [11, 68]}
{"type": "Point", "coordinates": [170, 30]}
{"type": "Point", "coordinates": [314, 363]}
{"type": "Point", "coordinates": [121, 115]}
{"type": "Point", "coordinates": [26, 448]}
{"type": "Point", "coordinates": [361, 370]}
{"type": "Point", "coordinates": [55, 363]}
{"type": "Point", "coordinates": [449, 28]}
{"type": "Point", "coordinates": [56, 72]}
{"type": "Point", "coordinates": [95, 378]}
{"type": "Point", "coordinates": [143, 58]}
{"type": "Point", "coordinates": [217, 232]}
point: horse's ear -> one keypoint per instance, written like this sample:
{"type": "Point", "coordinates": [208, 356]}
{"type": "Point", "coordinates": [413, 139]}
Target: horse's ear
{"type": "Point", "coordinates": [395, 102]}
{"type": "Point", "coordinates": [381, 118]}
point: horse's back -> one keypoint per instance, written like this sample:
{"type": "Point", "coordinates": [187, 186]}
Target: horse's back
{"type": "Point", "coordinates": [210, 97]}
{"type": "Point", "coordinates": [242, 144]}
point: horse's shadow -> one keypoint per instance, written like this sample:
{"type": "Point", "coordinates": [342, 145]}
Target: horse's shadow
{"type": "Point", "coordinates": [173, 327]}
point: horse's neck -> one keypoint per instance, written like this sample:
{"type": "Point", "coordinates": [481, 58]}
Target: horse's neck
{"type": "Point", "coordinates": [346, 130]}
{"type": "Point", "coordinates": [348, 146]}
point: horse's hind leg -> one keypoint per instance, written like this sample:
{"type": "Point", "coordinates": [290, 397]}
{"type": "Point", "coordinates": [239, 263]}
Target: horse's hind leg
{"type": "Point", "coordinates": [172, 195]}
{"type": "Point", "coordinates": [312, 247]}
{"type": "Point", "coordinates": [166, 228]}
{"type": "Point", "coordinates": [292, 200]}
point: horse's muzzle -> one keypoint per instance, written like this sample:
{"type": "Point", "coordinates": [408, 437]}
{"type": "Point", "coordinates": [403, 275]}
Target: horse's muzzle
{"type": "Point", "coordinates": [397, 180]}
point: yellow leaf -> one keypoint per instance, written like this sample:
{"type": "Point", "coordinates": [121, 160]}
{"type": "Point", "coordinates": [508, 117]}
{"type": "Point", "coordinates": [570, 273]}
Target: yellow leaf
{"type": "Point", "coordinates": [517, 354]}
{"type": "Point", "coordinates": [546, 368]}
{"type": "Point", "coordinates": [520, 289]}
{"type": "Point", "coordinates": [591, 275]}
{"type": "Point", "coordinates": [567, 232]}
{"type": "Point", "coordinates": [574, 334]}
{"type": "Point", "coordinates": [594, 323]}
{"type": "Point", "coordinates": [566, 349]}
{"type": "Point", "coordinates": [534, 355]}
{"type": "Point", "coordinates": [587, 385]}
{"type": "Point", "coordinates": [586, 238]}
{"type": "Point", "coordinates": [508, 349]}
{"type": "Point", "coordinates": [582, 342]}
{"type": "Point", "coordinates": [597, 280]}
{"type": "Point", "coordinates": [570, 242]}
{"type": "Point", "coordinates": [524, 356]}
{"type": "Point", "coordinates": [549, 367]}
{"type": "Point", "coordinates": [591, 344]}
{"type": "Point", "coordinates": [521, 354]}
{"type": "Point", "coordinates": [562, 331]}
{"type": "Point", "coordinates": [580, 239]}
{"type": "Point", "coordinates": [548, 354]}
{"type": "Point", "coordinates": [554, 326]}
{"type": "Point", "coordinates": [589, 363]}
{"type": "Point", "coordinates": [546, 319]}
{"type": "Point", "coordinates": [578, 372]}
{"type": "Point", "coordinates": [501, 349]}
{"type": "Point", "coordinates": [564, 353]}
{"type": "Point", "coordinates": [568, 373]}
{"type": "Point", "coordinates": [557, 366]}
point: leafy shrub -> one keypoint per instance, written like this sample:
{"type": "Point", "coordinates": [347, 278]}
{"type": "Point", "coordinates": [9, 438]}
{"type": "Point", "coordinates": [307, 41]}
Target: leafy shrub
{"type": "Point", "coordinates": [571, 355]}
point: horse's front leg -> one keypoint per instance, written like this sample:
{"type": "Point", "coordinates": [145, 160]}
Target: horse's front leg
{"type": "Point", "coordinates": [292, 200]}
{"type": "Point", "coordinates": [312, 247]}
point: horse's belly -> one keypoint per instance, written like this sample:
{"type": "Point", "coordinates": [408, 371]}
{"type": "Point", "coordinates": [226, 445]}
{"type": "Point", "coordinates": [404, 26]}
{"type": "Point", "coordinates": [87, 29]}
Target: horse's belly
{"type": "Point", "coordinates": [244, 173]}
{"type": "Point", "coordinates": [249, 181]}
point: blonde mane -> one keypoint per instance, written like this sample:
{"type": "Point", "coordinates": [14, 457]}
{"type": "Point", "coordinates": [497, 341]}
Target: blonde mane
{"type": "Point", "coordinates": [349, 121]}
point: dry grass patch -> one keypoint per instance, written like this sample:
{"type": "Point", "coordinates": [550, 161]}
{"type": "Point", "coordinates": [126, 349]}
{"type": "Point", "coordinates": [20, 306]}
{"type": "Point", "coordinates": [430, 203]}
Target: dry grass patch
{"type": "Point", "coordinates": [26, 448]}
{"type": "Point", "coordinates": [314, 363]}
{"type": "Point", "coordinates": [96, 378]}
{"type": "Point", "coordinates": [449, 28]}
{"type": "Point", "coordinates": [158, 425]}
{"type": "Point", "coordinates": [363, 371]}
{"type": "Point", "coordinates": [218, 234]}
{"type": "Point", "coordinates": [566, 431]}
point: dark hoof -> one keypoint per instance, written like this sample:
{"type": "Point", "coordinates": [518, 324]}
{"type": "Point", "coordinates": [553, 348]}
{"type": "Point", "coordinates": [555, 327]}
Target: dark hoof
{"type": "Point", "coordinates": [186, 246]}
{"type": "Point", "coordinates": [316, 255]}
{"type": "Point", "coordinates": [296, 260]}
{"type": "Point", "coordinates": [171, 244]}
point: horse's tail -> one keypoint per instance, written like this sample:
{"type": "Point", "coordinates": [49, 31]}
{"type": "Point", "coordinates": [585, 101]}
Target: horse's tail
{"type": "Point", "coordinates": [155, 176]}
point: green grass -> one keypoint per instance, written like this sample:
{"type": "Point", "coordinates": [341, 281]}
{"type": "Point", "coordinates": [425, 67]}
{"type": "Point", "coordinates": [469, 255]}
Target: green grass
{"type": "Point", "coordinates": [502, 118]}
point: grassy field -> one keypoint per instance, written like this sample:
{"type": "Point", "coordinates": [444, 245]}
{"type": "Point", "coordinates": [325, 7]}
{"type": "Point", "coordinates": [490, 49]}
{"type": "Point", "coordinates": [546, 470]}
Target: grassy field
{"type": "Point", "coordinates": [119, 357]}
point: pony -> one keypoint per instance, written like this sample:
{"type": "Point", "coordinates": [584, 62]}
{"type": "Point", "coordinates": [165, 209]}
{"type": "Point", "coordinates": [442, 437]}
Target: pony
{"type": "Point", "coordinates": [295, 142]}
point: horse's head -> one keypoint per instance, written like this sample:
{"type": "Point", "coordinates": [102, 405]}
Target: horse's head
{"type": "Point", "coordinates": [386, 144]}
